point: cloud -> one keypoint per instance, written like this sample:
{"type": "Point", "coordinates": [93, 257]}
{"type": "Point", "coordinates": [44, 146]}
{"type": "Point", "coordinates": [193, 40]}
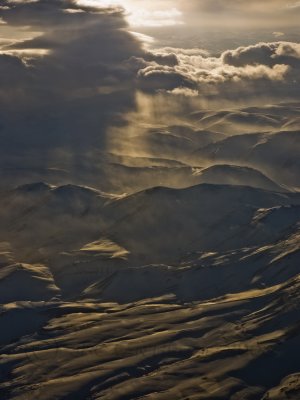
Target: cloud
{"type": "Point", "coordinates": [154, 18]}
{"type": "Point", "coordinates": [250, 69]}
{"type": "Point", "coordinates": [291, 50]}
{"type": "Point", "coordinates": [142, 13]}
{"type": "Point", "coordinates": [278, 34]}
{"type": "Point", "coordinates": [64, 86]}
{"type": "Point", "coordinates": [294, 5]}
{"type": "Point", "coordinates": [182, 91]}
{"type": "Point", "coordinates": [263, 53]}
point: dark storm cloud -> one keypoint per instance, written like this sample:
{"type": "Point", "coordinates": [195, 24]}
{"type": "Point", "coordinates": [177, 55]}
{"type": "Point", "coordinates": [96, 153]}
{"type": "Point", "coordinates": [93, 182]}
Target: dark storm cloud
{"type": "Point", "coordinates": [63, 87]}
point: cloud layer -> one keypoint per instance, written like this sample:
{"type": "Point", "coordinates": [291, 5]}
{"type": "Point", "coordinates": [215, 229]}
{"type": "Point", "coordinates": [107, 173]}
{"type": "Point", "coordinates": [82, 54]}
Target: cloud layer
{"type": "Point", "coordinates": [266, 68]}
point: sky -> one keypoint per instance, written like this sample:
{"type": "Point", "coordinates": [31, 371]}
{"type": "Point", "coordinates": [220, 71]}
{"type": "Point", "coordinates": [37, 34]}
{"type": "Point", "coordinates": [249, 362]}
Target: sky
{"type": "Point", "coordinates": [169, 21]}
{"type": "Point", "coordinates": [71, 69]}
{"type": "Point", "coordinates": [209, 13]}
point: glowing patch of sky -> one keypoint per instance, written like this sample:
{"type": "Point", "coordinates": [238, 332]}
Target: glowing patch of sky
{"type": "Point", "coordinates": [143, 13]}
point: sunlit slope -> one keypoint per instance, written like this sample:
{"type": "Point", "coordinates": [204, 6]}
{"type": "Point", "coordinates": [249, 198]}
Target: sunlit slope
{"type": "Point", "coordinates": [221, 349]}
